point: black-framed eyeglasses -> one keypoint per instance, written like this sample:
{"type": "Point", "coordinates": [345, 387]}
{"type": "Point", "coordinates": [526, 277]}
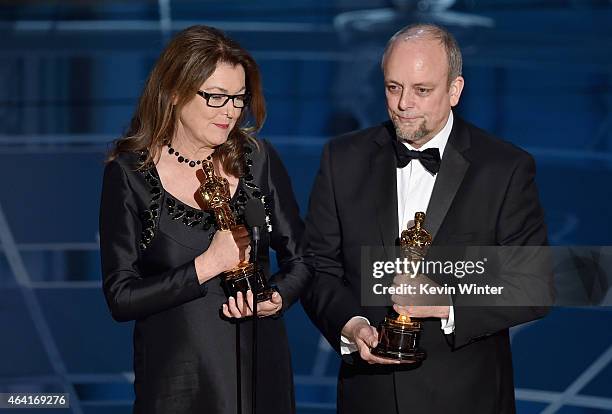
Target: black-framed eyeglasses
{"type": "Point", "coordinates": [217, 100]}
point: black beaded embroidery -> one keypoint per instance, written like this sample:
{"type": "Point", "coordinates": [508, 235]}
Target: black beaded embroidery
{"type": "Point", "coordinates": [192, 217]}
{"type": "Point", "coordinates": [254, 189]}
{"type": "Point", "coordinates": [150, 216]}
{"type": "Point", "coordinates": [178, 210]}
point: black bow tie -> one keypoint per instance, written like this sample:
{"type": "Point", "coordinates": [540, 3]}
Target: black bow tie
{"type": "Point", "coordinates": [430, 158]}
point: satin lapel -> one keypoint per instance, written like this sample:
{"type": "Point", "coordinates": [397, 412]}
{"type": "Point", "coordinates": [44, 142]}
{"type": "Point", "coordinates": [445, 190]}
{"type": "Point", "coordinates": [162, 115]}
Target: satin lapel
{"type": "Point", "coordinates": [452, 170]}
{"type": "Point", "coordinates": [383, 180]}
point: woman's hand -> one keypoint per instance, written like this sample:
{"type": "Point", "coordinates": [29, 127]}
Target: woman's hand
{"type": "Point", "coordinates": [226, 251]}
{"type": "Point", "coordinates": [240, 308]}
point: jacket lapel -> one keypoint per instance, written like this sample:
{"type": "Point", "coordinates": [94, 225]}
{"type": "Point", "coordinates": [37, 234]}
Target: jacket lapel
{"type": "Point", "coordinates": [384, 186]}
{"type": "Point", "coordinates": [452, 170]}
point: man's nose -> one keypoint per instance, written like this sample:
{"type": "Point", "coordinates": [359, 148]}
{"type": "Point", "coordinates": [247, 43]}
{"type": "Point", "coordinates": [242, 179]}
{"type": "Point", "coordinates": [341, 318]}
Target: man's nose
{"type": "Point", "coordinates": [406, 101]}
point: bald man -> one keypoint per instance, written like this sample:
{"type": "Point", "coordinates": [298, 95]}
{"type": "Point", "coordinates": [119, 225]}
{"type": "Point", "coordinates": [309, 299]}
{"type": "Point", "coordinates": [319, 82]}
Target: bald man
{"type": "Point", "coordinates": [477, 190]}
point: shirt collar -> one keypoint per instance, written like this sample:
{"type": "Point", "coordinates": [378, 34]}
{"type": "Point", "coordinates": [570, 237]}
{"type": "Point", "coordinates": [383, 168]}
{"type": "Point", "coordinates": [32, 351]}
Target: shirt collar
{"type": "Point", "coordinates": [439, 140]}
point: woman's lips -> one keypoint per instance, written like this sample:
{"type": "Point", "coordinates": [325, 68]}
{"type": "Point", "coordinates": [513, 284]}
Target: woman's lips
{"type": "Point", "coordinates": [222, 126]}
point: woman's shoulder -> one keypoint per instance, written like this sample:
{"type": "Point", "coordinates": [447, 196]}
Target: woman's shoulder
{"type": "Point", "coordinates": [128, 161]}
{"type": "Point", "coordinates": [264, 163]}
{"type": "Point", "coordinates": [260, 150]}
{"type": "Point", "coordinates": [127, 168]}
{"type": "Point", "coordinates": [123, 174]}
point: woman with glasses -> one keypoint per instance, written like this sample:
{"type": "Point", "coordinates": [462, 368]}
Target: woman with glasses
{"type": "Point", "coordinates": [162, 253]}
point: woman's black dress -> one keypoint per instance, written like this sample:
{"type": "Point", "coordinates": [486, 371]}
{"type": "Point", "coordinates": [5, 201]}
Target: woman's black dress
{"type": "Point", "coordinates": [188, 358]}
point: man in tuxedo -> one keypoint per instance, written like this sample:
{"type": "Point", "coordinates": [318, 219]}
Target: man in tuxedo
{"type": "Point", "coordinates": [475, 190]}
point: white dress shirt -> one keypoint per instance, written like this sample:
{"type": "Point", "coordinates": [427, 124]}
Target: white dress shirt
{"type": "Point", "coordinates": [414, 187]}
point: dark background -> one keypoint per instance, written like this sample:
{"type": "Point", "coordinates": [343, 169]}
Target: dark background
{"type": "Point", "coordinates": [538, 73]}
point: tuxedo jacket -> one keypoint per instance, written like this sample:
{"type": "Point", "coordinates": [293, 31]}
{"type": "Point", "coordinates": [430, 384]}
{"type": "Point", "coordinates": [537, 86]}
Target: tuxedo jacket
{"type": "Point", "coordinates": [484, 195]}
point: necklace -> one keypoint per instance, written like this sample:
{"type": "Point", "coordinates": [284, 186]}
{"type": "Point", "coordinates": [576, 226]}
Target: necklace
{"type": "Point", "coordinates": [181, 159]}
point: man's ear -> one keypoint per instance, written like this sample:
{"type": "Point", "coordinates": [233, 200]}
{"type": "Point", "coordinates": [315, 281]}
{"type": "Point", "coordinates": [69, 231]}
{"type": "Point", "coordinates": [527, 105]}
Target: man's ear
{"type": "Point", "coordinates": [455, 90]}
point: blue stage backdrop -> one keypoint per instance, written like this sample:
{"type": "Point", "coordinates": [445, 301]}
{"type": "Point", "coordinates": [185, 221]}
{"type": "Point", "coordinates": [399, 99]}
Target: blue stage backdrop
{"type": "Point", "coordinates": [538, 73]}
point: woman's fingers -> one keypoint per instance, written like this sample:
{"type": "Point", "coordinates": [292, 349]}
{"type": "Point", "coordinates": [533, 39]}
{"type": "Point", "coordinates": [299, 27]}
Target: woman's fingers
{"type": "Point", "coordinates": [226, 311]}
{"type": "Point", "coordinates": [241, 236]}
{"type": "Point", "coordinates": [270, 307]}
{"type": "Point", "coordinates": [233, 308]}
{"type": "Point", "coordinates": [242, 305]}
{"type": "Point", "coordinates": [249, 297]}
{"type": "Point", "coordinates": [238, 307]}
{"type": "Point", "coordinates": [276, 299]}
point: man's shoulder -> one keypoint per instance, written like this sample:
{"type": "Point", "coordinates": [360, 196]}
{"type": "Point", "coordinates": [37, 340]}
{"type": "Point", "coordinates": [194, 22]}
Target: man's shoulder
{"type": "Point", "coordinates": [360, 140]}
{"type": "Point", "coordinates": [487, 146]}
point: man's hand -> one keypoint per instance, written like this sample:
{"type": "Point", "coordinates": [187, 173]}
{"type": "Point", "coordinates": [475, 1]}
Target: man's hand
{"type": "Point", "coordinates": [420, 305]}
{"type": "Point", "coordinates": [240, 308]}
{"type": "Point", "coordinates": [365, 336]}
{"type": "Point", "coordinates": [421, 295]}
{"type": "Point", "coordinates": [423, 311]}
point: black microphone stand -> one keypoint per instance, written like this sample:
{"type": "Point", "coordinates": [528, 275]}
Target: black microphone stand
{"type": "Point", "coordinates": [254, 352]}
{"type": "Point", "coordinates": [255, 218]}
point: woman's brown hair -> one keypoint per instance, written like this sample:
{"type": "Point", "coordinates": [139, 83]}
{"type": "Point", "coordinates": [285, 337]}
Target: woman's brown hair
{"type": "Point", "coordinates": [190, 58]}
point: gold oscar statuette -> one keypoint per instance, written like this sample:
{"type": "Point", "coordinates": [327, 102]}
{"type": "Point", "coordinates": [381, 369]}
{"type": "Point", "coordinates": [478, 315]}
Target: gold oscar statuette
{"type": "Point", "coordinates": [215, 195]}
{"type": "Point", "coordinates": [398, 335]}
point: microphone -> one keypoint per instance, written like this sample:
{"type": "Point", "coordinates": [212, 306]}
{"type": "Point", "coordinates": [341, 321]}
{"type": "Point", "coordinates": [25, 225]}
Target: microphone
{"type": "Point", "coordinates": [255, 217]}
